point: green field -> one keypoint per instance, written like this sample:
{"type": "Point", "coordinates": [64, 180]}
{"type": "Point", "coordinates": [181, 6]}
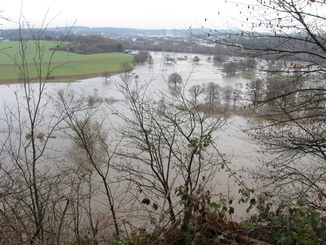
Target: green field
{"type": "Point", "coordinates": [68, 66]}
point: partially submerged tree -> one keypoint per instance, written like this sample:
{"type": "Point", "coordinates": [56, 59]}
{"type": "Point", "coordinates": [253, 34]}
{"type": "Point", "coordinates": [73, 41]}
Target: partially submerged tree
{"type": "Point", "coordinates": [230, 68]}
{"type": "Point", "coordinates": [141, 57]}
{"type": "Point", "coordinates": [196, 59]}
{"type": "Point", "coordinates": [175, 79]}
{"type": "Point", "coordinates": [219, 59]}
{"type": "Point", "coordinates": [247, 64]}
{"type": "Point", "coordinates": [212, 92]}
{"type": "Point", "coordinates": [169, 59]}
{"type": "Point", "coordinates": [195, 91]}
{"type": "Point", "coordinates": [227, 92]}
{"type": "Point", "coordinates": [106, 75]}
{"type": "Point", "coordinates": [150, 60]}
{"type": "Point", "coordinates": [256, 89]}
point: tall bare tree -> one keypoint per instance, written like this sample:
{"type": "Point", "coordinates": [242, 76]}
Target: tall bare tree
{"type": "Point", "coordinates": [86, 125]}
{"type": "Point", "coordinates": [167, 143]}
{"type": "Point", "coordinates": [195, 91]}
{"type": "Point", "coordinates": [291, 33]}
{"type": "Point", "coordinates": [212, 92]}
{"type": "Point", "coordinates": [27, 152]}
{"type": "Point", "coordinates": [256, 89]}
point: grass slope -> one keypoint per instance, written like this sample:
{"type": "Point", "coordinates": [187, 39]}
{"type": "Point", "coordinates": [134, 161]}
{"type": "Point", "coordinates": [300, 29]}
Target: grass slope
{"type": "Point", "coordinates": [67, 65]}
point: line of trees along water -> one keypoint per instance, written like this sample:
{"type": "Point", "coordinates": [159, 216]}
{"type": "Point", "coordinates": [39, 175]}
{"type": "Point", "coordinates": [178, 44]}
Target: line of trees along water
{"type": "Point", "coordinates": [161, 147]}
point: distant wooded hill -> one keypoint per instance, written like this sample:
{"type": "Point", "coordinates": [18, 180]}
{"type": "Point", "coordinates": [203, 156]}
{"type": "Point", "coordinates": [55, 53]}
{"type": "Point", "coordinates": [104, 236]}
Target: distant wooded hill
{"type": "Point", "coordinates": [91, 44]}
{"type": "Point", "coordinates": [14, 34]}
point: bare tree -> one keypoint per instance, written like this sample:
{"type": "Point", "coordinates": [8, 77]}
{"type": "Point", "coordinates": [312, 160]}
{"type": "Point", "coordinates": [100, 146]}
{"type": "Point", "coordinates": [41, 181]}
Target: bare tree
{"type": "Point", "coordinates": [106, 75]}
{"type": "Point", "coordinates": [168, 142]}
{"type": "Point", "coordinates": [290, 33]}
{"type": "Point", "coordinates": [126, 68]}
{"type": "Point", "coordinates": [227, 92]}
{"type": "Point", "coordinates": [219, 59]}
{"type": "Point", "coordinates": [256, 89]}
{"type": "Point", "coordinates": [247, 64]}
{"type": "Point", "coordinates": [195, 91]}
{"type": "Point", "coordinates": [150, 60]}
{"type": "Point", "coordinates": [230, 68]}
{"type": "Point", "coordinates": [212, 91]}
{"type": "Point", "coordinates": [27, 150]}
{"type": "Point", "coordinates": [274, 67]}
{"type": "Point", "coordinates": [86, 127]}
{"type": "Point", "coordinates": [175, 79]}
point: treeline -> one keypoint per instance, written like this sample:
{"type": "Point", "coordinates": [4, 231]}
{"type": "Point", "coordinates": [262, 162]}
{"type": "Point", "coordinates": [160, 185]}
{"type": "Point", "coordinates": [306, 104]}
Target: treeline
{"type": "Point", "coordinates": [179, 47]}
{"type": "Point", "coordinates": [94, 44]}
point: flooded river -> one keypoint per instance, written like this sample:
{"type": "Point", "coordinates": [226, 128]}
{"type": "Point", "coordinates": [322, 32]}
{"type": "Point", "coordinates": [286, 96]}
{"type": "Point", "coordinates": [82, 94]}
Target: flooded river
{"type": "Point", "coordinates": [231, 140]}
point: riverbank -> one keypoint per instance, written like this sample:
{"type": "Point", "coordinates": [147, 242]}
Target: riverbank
{"type": "Point", "coordinates": [58, 79]}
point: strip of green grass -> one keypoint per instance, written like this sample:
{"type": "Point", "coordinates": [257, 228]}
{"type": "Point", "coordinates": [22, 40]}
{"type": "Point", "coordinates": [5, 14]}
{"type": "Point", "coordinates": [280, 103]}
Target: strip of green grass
{"type": "Point", "coordinates": [65, 64]}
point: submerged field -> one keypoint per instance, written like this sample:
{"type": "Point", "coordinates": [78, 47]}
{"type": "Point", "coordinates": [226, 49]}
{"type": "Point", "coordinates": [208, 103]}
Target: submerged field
{"type": "Point", "coordinates": [66, 66]}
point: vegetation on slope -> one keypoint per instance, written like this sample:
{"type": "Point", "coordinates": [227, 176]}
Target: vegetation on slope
{"type": "Point", "coordinates": [94, 44]}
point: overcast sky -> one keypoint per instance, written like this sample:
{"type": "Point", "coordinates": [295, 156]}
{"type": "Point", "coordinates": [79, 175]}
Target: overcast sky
{"type": "Point", "coordinates": [148, 14]}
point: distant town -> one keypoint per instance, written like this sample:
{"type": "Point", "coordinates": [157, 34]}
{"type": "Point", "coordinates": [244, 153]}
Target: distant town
{"type": "Point", "coordinates": [191, 40]}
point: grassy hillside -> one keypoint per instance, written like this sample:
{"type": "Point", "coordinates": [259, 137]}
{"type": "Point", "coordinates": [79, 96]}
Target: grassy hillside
{"type": "Point", "coordinates": [68, 65]}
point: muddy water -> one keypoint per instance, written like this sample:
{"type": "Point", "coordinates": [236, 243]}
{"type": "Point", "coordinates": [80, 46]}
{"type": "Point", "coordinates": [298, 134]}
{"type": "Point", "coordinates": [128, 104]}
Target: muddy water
{"type": "Point", "coordinates": [230, 141]}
